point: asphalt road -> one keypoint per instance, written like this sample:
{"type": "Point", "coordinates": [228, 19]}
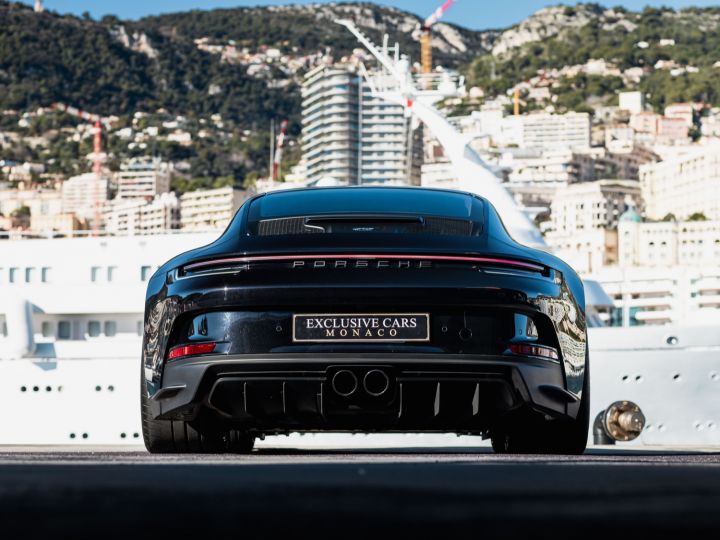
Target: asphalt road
{"type": "Point", "coordinates": [414, 493]}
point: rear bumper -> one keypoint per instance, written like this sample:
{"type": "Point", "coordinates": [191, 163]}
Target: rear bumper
{"type": "Point", "coordinates": [441, 393]}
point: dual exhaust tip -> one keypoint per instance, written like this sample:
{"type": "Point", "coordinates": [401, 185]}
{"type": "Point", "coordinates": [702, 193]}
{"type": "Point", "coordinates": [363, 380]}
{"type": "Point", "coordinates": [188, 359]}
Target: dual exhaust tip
{"type": "Point", "coordinates": [375, 383]}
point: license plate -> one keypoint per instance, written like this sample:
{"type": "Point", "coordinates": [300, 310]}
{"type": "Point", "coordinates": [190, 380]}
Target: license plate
{"type": "Point", "coordinates": [359, 327]}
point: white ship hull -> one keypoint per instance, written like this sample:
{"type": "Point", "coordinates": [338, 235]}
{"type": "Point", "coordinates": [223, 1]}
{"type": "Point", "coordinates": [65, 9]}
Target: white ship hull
{"type": "Point", "coordinates": [78, 388]}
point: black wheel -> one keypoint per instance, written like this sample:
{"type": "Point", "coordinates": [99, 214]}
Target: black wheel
{"type": "Point", "coordinates": [239, 442]}
{"type": "Point", "coordinates": [536, 436]}
{"type": "Point", "coordinates": [178, 437]}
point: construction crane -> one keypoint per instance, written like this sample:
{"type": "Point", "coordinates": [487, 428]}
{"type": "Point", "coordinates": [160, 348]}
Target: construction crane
{"type": "Point", "coordinates": [97, 157]}
{"type": "Point", "coordinates": [84, 115]}
{"type": "Point", "coordinates": [425, 35]}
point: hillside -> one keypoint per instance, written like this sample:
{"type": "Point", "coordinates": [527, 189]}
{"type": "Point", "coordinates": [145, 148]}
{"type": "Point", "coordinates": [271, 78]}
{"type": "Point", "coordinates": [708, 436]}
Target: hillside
{"type": "Point", "coordinates": [113, 66]}
{"type": "Point", "coordinates": [193, 65]}
{"type": "Point", "coordinates": [245, 65]}
{"type": "Point", "coordinates": [311, 28]}
{"type": "Point", "coordinates": [673, 53]}
{"type": "Point", "coordinates": [182, 61]}
{"type": "Point", "coordinates": [46, 58]}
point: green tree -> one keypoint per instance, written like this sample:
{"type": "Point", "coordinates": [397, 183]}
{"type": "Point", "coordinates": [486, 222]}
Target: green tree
{"type": "Point", "coordinates": [22, 211]}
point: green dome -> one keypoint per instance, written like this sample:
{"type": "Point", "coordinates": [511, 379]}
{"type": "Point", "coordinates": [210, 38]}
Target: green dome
{"type": "Point", "coordinates": [630, 216]}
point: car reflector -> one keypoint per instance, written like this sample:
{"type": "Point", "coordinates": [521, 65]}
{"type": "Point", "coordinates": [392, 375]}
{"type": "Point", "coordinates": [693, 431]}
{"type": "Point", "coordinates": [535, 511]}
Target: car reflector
{"type": "Point", "coordinates": [190, 350]}
{"type": "Point", "coordinates": [533, 350]}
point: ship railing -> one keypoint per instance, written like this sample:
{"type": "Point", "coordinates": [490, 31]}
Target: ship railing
{"type": "Point", "coordinates": [45, 235]}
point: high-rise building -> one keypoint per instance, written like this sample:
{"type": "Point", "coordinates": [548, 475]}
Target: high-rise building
{"type": "Point", "coordinates": [353, 137]}
{"type": "Point", "coordinates": [143, 178]}
{"type": "Point", "coordinates": [331, 124]}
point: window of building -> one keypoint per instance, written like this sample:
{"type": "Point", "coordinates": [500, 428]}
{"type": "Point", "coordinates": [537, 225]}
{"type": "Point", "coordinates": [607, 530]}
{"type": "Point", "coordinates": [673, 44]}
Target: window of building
{"type": "Point", "coordinates": [94, 273]}
{"type": "Point", "coordinates": [110, 328]}
{"type": "Point", "coordinates": [47, 329]}
{"type": "Point", "coordinates": [139, 328]}
{"type": "Point", "coordinates": [111, 271]}
{"type": "Point", "coordinates": [45, 274]}
{"type": "Point", "coordinates": [3, 329]}
{"type": "Point", "coordinates": [64, 330]}
{"type": "Point", "coordinates": [13, 275]}
{"type": "Point", "coordinates": [145, 273]}
{"type": "Point", "coordinates": [93, 328]}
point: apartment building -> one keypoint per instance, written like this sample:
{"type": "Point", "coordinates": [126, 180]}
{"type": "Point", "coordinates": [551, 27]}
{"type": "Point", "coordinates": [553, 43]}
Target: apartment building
{"type": "Point", "coordinates": [593, 205]}
{"type": "Point", "coordinates": [353, 137]}
{"type": "Point", "coordinates": [207, 209]}
{"type": "Point", "coordinates": [544, 131]}
{"type": "Point", "coordinates": [143, 178]}
{"type": "Point", "coordinates": [633, 102]}
{"type": "Point", "coordinates": [683, 183]}
{"type": "Point", "coordinates": [669, 243]}
{"type": "Point", "coordinates": [570, 130]}
{"type": "Point", "coordinates": [331, 124]}
{"type": "Point", "coordinates": [139, 217]}
{"type": "Point", "coordinates": [584, 219]}
{"type": "Point", "coordinates": [85, 195]}
{"type": "Point", "coordinates": [39, 201]}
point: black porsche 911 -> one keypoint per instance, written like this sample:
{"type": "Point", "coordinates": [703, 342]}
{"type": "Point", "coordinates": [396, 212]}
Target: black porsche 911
{"type": "Point", "coordinates": [365, 309]}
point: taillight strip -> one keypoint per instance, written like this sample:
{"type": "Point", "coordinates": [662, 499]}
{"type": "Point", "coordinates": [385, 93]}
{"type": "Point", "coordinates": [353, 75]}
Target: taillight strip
{"type": "Point", "coordinates": [454, 258]}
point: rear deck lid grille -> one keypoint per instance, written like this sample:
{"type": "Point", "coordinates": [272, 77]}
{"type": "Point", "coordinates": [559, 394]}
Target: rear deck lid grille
{"type": "Point", "coordinates": [440, 226]}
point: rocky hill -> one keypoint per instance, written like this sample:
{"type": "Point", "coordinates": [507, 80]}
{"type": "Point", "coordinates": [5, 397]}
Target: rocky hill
{"type": "Point", "coordinates": [671, 55]}
{"type": "Point", "coordinates": [112, 66]}
{"type": "Point", "coordinates": [215, 61]}
{"type": "Point", "coordinates": [311, 28]}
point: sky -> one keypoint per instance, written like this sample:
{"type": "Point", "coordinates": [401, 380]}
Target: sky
{"type": "Point", "coordinates": [475, 14]}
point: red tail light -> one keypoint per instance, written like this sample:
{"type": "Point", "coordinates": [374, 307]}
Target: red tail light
{"type": "Point", "coordinates": [368, 256]}
{"type": "Point", "coordinates": [533, 350]}
{"type": "Point", "coordinates": [190, 350]}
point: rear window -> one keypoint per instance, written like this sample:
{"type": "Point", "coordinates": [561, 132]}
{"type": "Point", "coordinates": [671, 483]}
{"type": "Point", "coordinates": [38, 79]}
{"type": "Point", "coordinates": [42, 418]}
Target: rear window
{"type": "Point", "coordinates": [362, 201]}
{"type": "Point", "coordinates": [365, 211]}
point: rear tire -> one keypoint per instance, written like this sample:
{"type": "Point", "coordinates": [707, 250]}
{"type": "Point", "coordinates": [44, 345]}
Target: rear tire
{"type": "Point", "coordinates": [179, 437]}
{"type": "Point", "coordinates": [562, 436]}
